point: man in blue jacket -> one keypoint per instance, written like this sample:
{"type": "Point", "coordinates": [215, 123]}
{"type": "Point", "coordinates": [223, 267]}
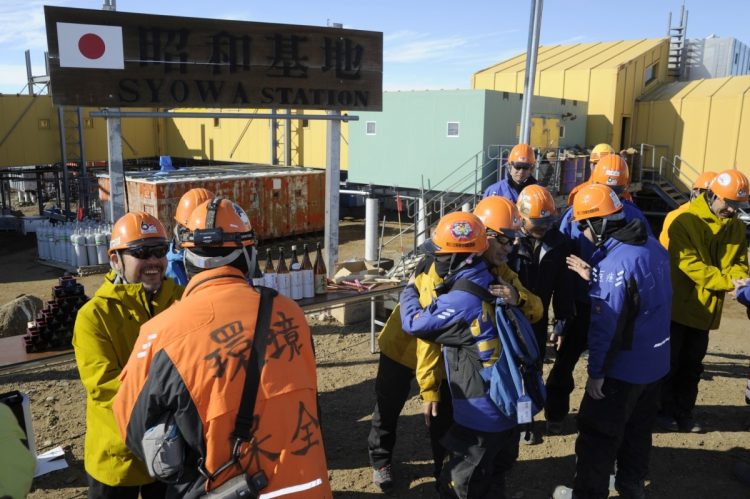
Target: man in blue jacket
{"type": "Point", "coordinates": [628, 341]}
{"type": "Point", "coordinates": [483, 442]}
{"type": "Point", "coordinates": [612, 171]}
{"type": "Point", "coordinates": [521, 161]}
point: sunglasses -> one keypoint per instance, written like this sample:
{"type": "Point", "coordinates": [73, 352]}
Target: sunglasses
{"type": "Point", "coordinates": [505, 241]}
{"type": "Point", "coordinates": [146, 252]}
{"type": "Point", "coordinates": [522, 166]}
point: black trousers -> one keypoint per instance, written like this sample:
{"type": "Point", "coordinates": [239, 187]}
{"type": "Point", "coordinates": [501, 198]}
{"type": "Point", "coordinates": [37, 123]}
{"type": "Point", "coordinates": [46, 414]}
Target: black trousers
{"type": "Point", "coordinates": [478, 463]}
{"type": "Point", "coordinates": [560, 379]}
{"type": "Point", "coordinates": [392, 387]}
{"type": "Point", "coordinates": [98, 490]}
{"type": "Point", "coordinates": [680, 390]}
{"type": "Point", "coordinates": [615, 428]}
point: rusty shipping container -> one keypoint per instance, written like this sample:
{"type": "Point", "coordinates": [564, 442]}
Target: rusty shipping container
{"type": "Point", "coordinates": [280, 201]}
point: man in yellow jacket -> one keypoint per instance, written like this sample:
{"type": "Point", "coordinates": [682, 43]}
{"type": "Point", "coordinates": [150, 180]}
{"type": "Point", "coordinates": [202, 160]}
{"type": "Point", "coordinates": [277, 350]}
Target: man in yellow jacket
{"type": "Point", "coordinates": [707, 251]}
{"type": "Point", "coordinates": [699, 187]}
{"type": "Point", "coordinates": [105, 331]}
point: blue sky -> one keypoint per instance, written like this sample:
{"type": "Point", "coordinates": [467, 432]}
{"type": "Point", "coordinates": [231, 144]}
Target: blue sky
{"type": "Point", "coordinates": [427, 44]}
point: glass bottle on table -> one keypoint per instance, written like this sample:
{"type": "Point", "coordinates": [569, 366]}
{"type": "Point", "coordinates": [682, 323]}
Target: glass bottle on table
{"type": "Point", "coordinates": [308, 277]}
{"type": "Point", "coordinates": [320, 273]}
{"type": "Point", "coordinates": [269, 273]}
{"type": "Point", "coordinates": [295, 272]}
{"type": "Point", "coordinates": [283, 279]}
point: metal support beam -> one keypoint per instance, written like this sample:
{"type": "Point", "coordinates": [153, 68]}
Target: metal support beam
{"type": "Point", "coordinates": [83, 182]}
{"type": "Point", "coordinates": [535, 24]}
{"type": "Point", "coordinates": [29, 76]}
{"type": "Point", "coordinates": [371, 228]}
{"type": "Point", "coordinates": [333, 169]}
{"type": "Point", "coordinates": [64, 154]}
{"type": "Point", "coordinates": [274, 143]}
{"type": "Point", "coordinates": [113, 113]}
{"type": "Point", "coordinates": [116, 169]}
{"type": "Point", "coordinates": [288, 139]}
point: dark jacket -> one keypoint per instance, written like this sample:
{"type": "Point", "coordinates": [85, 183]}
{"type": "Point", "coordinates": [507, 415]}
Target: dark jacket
{"type": "Point", "coordinates": [542, 268]}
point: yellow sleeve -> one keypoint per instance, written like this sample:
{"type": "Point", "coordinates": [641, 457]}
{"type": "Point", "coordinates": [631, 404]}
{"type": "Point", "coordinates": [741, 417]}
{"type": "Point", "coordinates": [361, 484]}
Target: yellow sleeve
{"type": "Point", "coordinates": [96, 358]}
{"type": "Point", "coordinates": [430, 372]}
{"type": "Point", "coordinates": [689, 261]}
{"type": "Point", "coordinates": [16, 462]}
{"type": "Point", "coordinates": [529, 303]}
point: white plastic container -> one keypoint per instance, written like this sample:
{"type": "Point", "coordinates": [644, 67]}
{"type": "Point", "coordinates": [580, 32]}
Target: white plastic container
{"type": "Point", "coordinates": [91, 245]}
{"type": "Point", "coordinates": [79, 242]}
{"type": "Point", "coordinates": [100, 239]}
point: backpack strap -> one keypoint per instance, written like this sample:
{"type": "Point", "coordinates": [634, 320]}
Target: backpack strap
{"type": "Point", "coordinates": [244, 424]}
{"type": "Point", "coordinates": [473, 288]}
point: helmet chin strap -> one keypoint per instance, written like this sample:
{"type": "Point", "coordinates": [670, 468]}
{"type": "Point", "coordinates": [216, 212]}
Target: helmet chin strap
{"type": "Point", "coordinates": [250, 260]}
{"type": "Point", "coordinates": [120, 274]}
{"type": "Point", "coordinates": [598, 236]}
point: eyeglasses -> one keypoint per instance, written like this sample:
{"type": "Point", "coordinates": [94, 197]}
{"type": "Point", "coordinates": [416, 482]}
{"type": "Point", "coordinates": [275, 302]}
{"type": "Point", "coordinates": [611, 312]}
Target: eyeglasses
{"type": "Point", "coordinates": [146, 252]}
{"type": "Point", "coordinates": [521, 166]}
{"type": "Point", "coordinates": [505, 241]}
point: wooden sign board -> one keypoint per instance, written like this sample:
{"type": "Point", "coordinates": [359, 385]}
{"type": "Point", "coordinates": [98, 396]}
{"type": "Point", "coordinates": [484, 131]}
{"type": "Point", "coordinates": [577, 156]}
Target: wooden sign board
{"type": "Point", "coordinates": [121, 59]}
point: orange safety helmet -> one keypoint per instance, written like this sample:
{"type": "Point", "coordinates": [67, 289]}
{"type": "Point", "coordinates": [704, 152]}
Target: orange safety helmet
{"type": "Point", "coordinates": [574, 191]}
{"type": "Point", "coordinates": [536, 203]}
{"type": "Point", "coordinates": [218, 223]}
{"type": "Point", "coordinates": [595, 201]}
{"type": "Point", "coordinates": [459, 232]}
{"type": "Point", "coordinates": [522, 154]}
{"type": "Point", "coordinates": [612, 171]}
{"type": "Point", "coordinates": [137, 228]}
{"type": "Point", "coordinates": [599, 151]}
{"type": "Point", "coordinates": [188, 202]}
{"type": "Point", "coordinates": [499, 215]}
{"type": "Point", "coordinates": [704, 180]}
{"type": "Point", "coordinates": [732, 187]}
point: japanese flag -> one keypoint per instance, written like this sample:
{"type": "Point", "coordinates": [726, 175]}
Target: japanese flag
{"type": "Point", "coordinates": [90, 46]}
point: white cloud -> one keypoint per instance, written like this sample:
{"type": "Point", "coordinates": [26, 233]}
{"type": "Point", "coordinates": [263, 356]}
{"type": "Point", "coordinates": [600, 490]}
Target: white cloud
{"type": "Point", "coordinates": [22, 24]}
{"type": "Point", "coordinates": [12, 78]}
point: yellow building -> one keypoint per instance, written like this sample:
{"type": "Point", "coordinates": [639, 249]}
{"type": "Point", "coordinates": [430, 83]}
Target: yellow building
{"type": "Point", "coordinates": [29, 133]}
{"type": "Point", "coordinates": [608, 76]}
{"type": "Point", "coordinates": [705, 122]}
{"type": "Point", "coordinates": [249, 140]}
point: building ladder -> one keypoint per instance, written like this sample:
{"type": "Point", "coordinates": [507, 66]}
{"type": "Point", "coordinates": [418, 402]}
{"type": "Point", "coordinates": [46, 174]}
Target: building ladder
{"type": "Point", "coordinates": [677, 45]}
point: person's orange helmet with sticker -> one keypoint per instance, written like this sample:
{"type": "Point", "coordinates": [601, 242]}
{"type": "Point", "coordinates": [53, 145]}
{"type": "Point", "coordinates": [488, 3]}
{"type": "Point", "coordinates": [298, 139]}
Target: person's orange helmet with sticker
{"type": "Point", "coordinates": [522, 154]}
{"type": "Point", "coordinates": [612, 171]}
{"type": "Point", "coordinates": [732, 187]}
{"type": "Point", "coordinates": [134, 229]}
{"type": "Point", "coordinates": [595, 201]}
{"type": "Point", "coordinates": [459, 232]}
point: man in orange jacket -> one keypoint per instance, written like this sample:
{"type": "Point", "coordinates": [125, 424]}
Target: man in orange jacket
{"type": "Point", "coordinates": [187, 375]}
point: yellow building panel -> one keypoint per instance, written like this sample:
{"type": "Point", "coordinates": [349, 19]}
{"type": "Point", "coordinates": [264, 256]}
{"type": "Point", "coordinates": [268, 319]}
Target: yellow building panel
{"type": "Point", "coordinates": [577, 85]}
{"type": "Point", "coordinates": [741, 159]}
{"type": "Point", "coordinates": [35, 138]}
{"type": "Point", "coordinates": [723, 127]}
{"type": "Point", "coordinates": [581, 54]}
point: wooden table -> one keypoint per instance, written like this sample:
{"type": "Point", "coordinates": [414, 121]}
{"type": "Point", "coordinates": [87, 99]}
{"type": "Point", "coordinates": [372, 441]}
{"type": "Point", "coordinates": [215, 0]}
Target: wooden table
{"type": "Point", "coordinates": [13, 350]}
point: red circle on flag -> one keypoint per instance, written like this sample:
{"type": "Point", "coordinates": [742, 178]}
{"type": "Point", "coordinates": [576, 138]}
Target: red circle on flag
{"type": "Point", "coordinates": [91, 46]}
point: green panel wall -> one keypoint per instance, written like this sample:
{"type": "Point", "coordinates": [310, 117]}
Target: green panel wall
{"type": "Point", "coordinates": [411, 142]}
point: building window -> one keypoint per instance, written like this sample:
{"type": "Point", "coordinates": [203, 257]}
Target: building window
{"type": "Point", "coordinates": [518, 130]}
{"type": "Point", "coordinates": [505, 96]}
{"type": "Point", "coordinates": [370, 128]}
{"type": "Point", "coordinates": [453, 128]}
{"type": "Point", "coordinates": [562, 102]}
{"type": "Point", "coordinates": [305, 123]}
{"type": "Point", "coordinates": [562, 131]}
{"type": "Point", "coordinates": [216, 122]}
{"type": "Point", "coordinates": [575, 102]}
{"type": "Point", "coordinates": [650, 74]}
